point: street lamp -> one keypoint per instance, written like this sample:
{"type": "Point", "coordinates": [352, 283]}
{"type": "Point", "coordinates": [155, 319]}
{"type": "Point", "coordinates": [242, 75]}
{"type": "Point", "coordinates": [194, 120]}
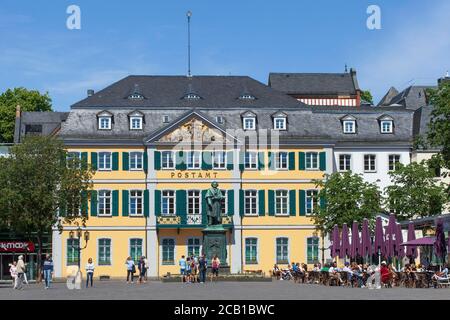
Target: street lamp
{"type": "Point", "coordinates": [79, 237]}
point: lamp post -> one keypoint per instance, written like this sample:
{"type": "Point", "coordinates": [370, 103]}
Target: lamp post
{"type": "Point", "coordinates": [315, 234]}
{"type": "Point", "coordinates": [80, 236]}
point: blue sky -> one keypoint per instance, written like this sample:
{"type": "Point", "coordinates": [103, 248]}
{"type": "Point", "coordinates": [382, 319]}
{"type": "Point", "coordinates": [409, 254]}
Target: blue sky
{"type": "Point", "coordinates": [228, 37]}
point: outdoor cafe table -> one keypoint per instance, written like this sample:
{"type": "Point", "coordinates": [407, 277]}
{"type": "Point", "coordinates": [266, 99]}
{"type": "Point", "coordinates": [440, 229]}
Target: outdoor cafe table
{"type": "Point", "coordinates": [422, 279]}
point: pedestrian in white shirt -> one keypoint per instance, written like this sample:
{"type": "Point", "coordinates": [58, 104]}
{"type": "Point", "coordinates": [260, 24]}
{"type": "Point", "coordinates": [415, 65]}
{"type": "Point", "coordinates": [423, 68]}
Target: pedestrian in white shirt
{"type": "Point", "coordinates": [89, 272]}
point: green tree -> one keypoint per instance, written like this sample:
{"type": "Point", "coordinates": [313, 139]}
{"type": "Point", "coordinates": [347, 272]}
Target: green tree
{"type": "Point", "coordinates": [415, 192]}
{"type": "Point", "coordinates": [439, 126]}
{"type": "Point", "coordinates": [366, 96]}
{"type": "Point", "coordinates": [29, 100]}
{"type": "Point", "coordinates": [347, 198]}
{"type": "Point", "coordinates": [41, 190]}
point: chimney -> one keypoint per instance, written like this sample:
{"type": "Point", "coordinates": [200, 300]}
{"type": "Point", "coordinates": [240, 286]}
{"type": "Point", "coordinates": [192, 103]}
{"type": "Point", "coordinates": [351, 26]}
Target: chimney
{"type": "Point", "coordinates": [90, 92]}
{"type": "Point", "coordinates": [18, 112]}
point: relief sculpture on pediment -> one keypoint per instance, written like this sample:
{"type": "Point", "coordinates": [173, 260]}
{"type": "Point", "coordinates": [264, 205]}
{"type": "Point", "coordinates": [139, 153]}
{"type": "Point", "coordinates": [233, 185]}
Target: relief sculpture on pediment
{"type": "Point", "coordinates": [193, 131]}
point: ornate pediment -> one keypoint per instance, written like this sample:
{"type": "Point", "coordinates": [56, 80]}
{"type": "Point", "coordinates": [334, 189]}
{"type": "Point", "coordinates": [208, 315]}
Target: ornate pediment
{"type": "Point", "coordinates": [193, 130]}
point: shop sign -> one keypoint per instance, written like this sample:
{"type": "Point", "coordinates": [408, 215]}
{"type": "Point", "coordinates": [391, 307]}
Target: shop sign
{"type": "Point", "coordinates": [16, 246]}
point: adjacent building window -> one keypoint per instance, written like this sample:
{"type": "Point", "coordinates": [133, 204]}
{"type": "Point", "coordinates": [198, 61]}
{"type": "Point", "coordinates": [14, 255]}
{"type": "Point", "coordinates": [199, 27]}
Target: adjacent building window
{"type": "Point", "coordinates": [281, 160]}
{"type": "Point", "coordinates": [251, 160]}
{"type": "Point", "coordinates": [370, 163]}
{"type": "Point", "coordinates": [168, 203]}
{"type": "Point", "coordinates": [194, 160]}
{"type": "Point", "coordinates": [168, 251]}
{"type": "Point", "coordinates": [311, 201]}
{"type": "Point", "coordinates": [224, 202]}
{"type": "Point", "coordinates": [72, 252]}
{"type": "Point", "coordinates": [387, 126]}
{"type": "Point", "coordinates": [104, 203]}
{"type": "Point", "coordinates": [136, 123]}
{"type": "Point", "coordinates": [220, 120]}
{"type": "Point", "coordinates": [312, 162]}
{"type": "Point", "coordinates": [279, 123]}
{"type": "Point", "coordinates": [250, 201]}
{"type": "Point", "coordinates": [312, 251]}
{"type": "Point", "coordinates": [345, 162]}
{"type": "Point", "coordinates": [166, 119]}
{"type": "Point", "coordinates": [104, 161]}
{"type": "Point", "coordinates": [281, 202]}
{"type": "Point", "coordinates": [104, 123]}
{"type": "Point", "coordinates": [249, 124]}
{"type": "Point", "coordinates": [136, 207]}
{"type": "Point", "coordinates": [251, 251]}
{"type": "Point", "coordinates": [394, 161]}
{"type": "Point", "coordinates": [194, 203]}
{"type": "Point", "coordinates": [136, 249]}
{"type": "Point", "coordinates": [167, 160]}
{"type": "Point", "coordinates": [194, 247]}
{"type": "Point", "coordinates": [282, 250]}
{"type": "Point", "coordinates": [349, 126]}
{"type": "Point", "coordinates": [104, 252]}
{"type": "Point", "coordinates": [219, 160]}
{"type": "Point", "coordinates": [136, 162]}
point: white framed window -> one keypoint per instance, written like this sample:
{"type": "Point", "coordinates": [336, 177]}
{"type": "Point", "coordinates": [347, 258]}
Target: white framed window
{"type": "Point", "coordinates": [386, 126]}
{"type": "Point", "coordinates": [251, 251]}
{"type": "Point", "coordinates": [168, 251]}
{"type": "Point", "coordinates": [282, 249]}
{"type": "Point", "coordinates": [135, 123]}
{"type": "Point", "coordinates": [168, 203]}
{"type": "Point", "coordinates": [224, 202]}
{"type": "Point", "coordinates": [370, 163]}
{"type": "Point", "coordinates": [104, 161]}
{"type": "Point", "coordinates": [279, 123]}
{"type": "Point", "coordinates": [104, 123]}
{"type": "Point", "coordinates": [73, 156]}
{"type": "Point", "coordinates": [312, 161]}
{"type": "Point", "coordinates": [104, 203]}
{"type": "Point", "coordinates": [136, 160]}
{"type": "Point", "coordinates": [194, 202]}
{"type": "Point", "coordinates": [311, 201]}
{"type": "Point", "coordinates": [281, 160]}
{"type": "Point", "coordinates": [219, 160]}
{"type": "Point", "coordinates": [345, 162]}
{"type": "Point", "coordinates": [249, 123]}
{"type": "Point", "coordinates": [250, 202]}
{"type": "Point", "coordinates": [281, 202]}
{"type": "Point", "coordinates": [136, 203]}
{"type": "Point", "coordinates": [193, 247]}
{"type": "Point", "coordinates": [104, 252]}
{"type": "Point", "coordinates": [194, 160]}
{"type": "Point", "coordinates": [167, 161]}
{"type": "Point", "coordinates": [349, 126]}
{"type": "Point", "coordinates": [166, 119]}
{"type": "Point", "coordinates": [312, 250]}
{"type": "Point", "coordinates": [136, 249]}
{"type": "Point", "coordinates": [394, 161]}
{"type": "Point", "coordinates": [251, 160]}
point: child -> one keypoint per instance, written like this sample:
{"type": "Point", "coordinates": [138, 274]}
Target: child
{"type": "Point", "coordinates": [13, 272]}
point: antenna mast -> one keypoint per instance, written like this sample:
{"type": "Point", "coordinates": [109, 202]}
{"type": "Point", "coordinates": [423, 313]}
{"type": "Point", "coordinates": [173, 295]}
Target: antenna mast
{"type": "Point", "coordinates": [188, 15]}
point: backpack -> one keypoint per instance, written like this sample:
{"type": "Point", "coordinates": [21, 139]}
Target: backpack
{"type": "Point", "coordinates": [133, 269]}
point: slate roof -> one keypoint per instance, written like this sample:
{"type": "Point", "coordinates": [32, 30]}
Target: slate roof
{"type": "Point", "coordinates": [169, 91]}
{"type": "Point", "coordinates": [314, 83]}
{"type": "Point", "coordinates": [412, 97]}
{"type": "Point", "coordinates": [385, 101]}
{"type": "Point", "coordinates": [50, 122]}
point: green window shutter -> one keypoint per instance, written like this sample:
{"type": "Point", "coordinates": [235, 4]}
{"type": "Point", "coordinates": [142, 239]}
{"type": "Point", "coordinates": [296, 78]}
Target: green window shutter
{"type": "Point", "coordinates": [230, 160]}
{"type": "Point", "coordinates": [146, 203]}
{"type": "Point", "coordinates": [181, 205]}
{"type": "Point", "coordinates": [261, 202]}
{"type": "Point", "coordinates": [271, 160]}
{"type": "Point", "coordinates": [125, 203]}
{"type": "Point", "coordinates": [115, 203]}
{"type": "Point", "coordinates": [93, 203]}
{"type": "Point", "coordinates": [84, 203]}
{"type": "Point", "coordinates": [206, 160]}
{"type": "Point", "coordinates": [180, 159]}
{"type": "Point", "coordinates": [323, 202]}
{"type": "Point", "coordinates": [145, 159]}
{"type": "Point", "coordinates": [84, 160]}
{"type": "Point", "coordinates": [302, 202]}
{"type": "Point", "coordinates": [204, 207]}
{"type": "Point", "coordinates": [62, 207]}
{"type": "Point", "coordinates": [230, 200]}
{"type": "Point", "coordinates": [94, 160]}
{"type": "Point", "coordinates": [115, 161]}
{"type": "Point", "coordinates": [291, 160]}
{"type": "Point", "coordinates": [302, 160]}
{"type": "Point", "coordinates": [322, 161]}
{"type": "Point", "coordinates": [261, 159]}
{"type": "Point", "coordinates": [241, 203]}
{"type": "Point", "coordinates": [241, 160]}
{"type": "Point", "coordinates": [271, 203]}
{"type": "Point", "coordinates": [292, 203]}
{"type": "Point", "coordinates": [157, 160]}
{"type": "Point", "coordinates": [157, 203]}
{"type": "Point", "coordinates": [125, 161]}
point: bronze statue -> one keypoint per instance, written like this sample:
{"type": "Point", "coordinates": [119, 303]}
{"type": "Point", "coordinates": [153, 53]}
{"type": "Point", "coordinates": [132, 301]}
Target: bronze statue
{"type": "Point", "coordinates": [214, 199]}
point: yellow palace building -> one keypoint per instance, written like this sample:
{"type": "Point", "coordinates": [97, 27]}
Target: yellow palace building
{"type": "Point", "coordinates": [157, 143]}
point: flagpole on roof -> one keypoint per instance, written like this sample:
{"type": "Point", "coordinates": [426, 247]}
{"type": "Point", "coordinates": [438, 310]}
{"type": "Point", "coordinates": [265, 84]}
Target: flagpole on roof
{"type": "Point", "coordinates": [189, 15]}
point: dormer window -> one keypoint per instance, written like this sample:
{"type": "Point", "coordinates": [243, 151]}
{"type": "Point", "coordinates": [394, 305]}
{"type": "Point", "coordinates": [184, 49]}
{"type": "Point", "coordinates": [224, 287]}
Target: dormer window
{"type": "Point", "coordinates": [135, 123]}
{"type": "Point", "coordinates": [349, 126]}
{"type": "Point", "coordinates": [192, 96]}
{"type": "Point", "coordinates": [249, 123]}
{"type": "Point", "coordinates": [166, 119]}
{"type": "Point", "coordinates": [220, 120]}
{"type": "Point", "coordinates": [135, 96]}
{"type": "Point", "coordinates": [246, 96]}
{"type": "Point", "coordinates": [386, 126]}
{"type": "Point", "coordinates": [279, 123]}
{"type": "Point", "coordinates": [104, 123]}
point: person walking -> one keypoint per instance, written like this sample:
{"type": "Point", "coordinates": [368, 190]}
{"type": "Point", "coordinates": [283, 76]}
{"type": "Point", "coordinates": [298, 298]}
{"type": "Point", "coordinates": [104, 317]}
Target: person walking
{"type": "Point", "coordinates": [203, 267]}
{"type": "Point", "coordinates": [48, 270]}
{"type": "Point", "coordinates": [215, 267]}
{"type": "Point", "coordinates": [146, 268]}
{"type": "Point", "coordinates": [13, 272]}
{"type": "Point", "coordinates": [142, 269]}
{"type": "Point", "coordinates": [131, 269]}
{"type": "Point", "coordinates": [89, 272]}
{"type": "Point", "coordinates": [20, 273]}
{"type": "Point", "coordinates": [182, 264]}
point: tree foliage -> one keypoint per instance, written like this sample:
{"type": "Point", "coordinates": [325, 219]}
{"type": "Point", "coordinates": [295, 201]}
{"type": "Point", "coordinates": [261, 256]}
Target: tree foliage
{"type": "Point", "coordinates": [366, 96]}
{"type": "Point", "coordinates": [29, 100]}
{"type": "Point", "coordinates": [415, 192]}
{"type": "Point", "coordinates": [347, 198]}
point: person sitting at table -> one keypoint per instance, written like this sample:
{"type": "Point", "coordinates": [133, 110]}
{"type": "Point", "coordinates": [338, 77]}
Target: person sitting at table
{"type": "Point", "coordinates": [358, 273]}
{"type": "Point", "coordinates": [316, 268]}
{"type": "Point", "coordinates": [386, 276]}
{"type": "Point", "coordinates": [420, 268]}
{"type": "Point", "coordinates": [442, 275]}
{"type": "Point", "coordinates": [333, 272]}
{"type": "Point", "coordinates": [348, 270]}
{"type": "Point", "coordinates": [276, 272]}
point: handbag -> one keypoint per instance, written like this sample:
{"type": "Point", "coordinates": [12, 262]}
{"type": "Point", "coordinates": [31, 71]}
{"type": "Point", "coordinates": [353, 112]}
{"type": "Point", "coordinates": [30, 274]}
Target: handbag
{"type": "Point", "coordinates": [133, 269]}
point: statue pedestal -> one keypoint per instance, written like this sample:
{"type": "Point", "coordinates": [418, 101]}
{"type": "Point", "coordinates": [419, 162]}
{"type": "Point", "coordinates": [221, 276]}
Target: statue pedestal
{"type": "Point", "coordinates": [215, 243]}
